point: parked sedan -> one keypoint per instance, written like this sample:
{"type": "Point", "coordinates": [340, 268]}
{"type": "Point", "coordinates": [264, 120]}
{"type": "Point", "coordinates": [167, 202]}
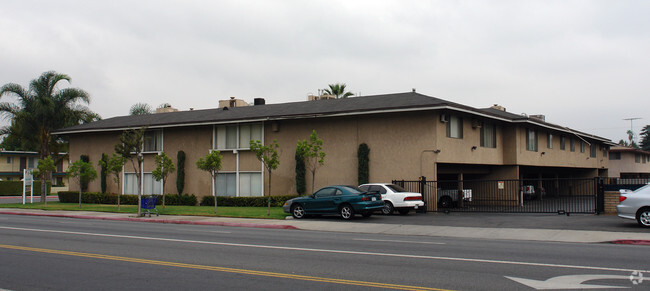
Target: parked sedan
{"type": "Point", "coordinates": [635, 205]}
{"type": "Point", "coordinates": [395, 197]}
{"type": "Point", "coordinates": [345, 201]}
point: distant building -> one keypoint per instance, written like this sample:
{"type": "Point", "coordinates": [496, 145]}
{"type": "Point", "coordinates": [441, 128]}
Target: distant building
{"type": "Point", "coordinates": [629, 163]}
{"type": "Point", "coordinates": [12, 164]}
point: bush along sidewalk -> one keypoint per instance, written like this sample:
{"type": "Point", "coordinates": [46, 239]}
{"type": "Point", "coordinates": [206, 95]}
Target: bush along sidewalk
{"type": "Point", "coordinates": [261, 201]}
{"type": "Point", "coordinates": [105, 198]}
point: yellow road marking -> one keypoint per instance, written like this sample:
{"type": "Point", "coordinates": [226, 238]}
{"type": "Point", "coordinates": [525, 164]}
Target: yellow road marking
{"type": "Point", "coordinates": [221, 269]}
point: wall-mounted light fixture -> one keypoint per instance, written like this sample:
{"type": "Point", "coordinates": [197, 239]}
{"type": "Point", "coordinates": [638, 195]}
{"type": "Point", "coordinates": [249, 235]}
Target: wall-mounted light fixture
{"type": "Point", "coordinates": [474, 148]}
{"type": "Point", "coordinates": [436, 151]}
{"type": "Point", "coordinates": [543, 153]}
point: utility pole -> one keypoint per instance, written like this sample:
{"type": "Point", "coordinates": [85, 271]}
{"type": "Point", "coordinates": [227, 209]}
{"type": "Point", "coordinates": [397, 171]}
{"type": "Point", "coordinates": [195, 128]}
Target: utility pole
{"type": "Point", "coordinates": [632, 119]}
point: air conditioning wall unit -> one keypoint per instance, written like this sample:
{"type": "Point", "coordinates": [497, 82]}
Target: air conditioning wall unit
{"type": "Point", "coordinates": [444, 118]}
{"type": "Point", "coordinates": [476, 123]}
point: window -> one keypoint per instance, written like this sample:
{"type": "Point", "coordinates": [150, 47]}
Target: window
{"type": "Point", "coordinates": [8, 160]}
{"type": "Point", "coordinates": [562, 143]}
{"type": "Point", "coordinates": [231, 137]}
{"type": "Point", "coordinates": [582, 147]}
{"type": "Point", "coordinates": [637, 158]}
{"type": "Point", "coordinates": [605, 150]}
{"type": "Point", "coordinates": [531, 140]}
{"type": "Point", "coordinates": [644, 158]}
{"type": "Point", "coordinates": [572, 145]}
{"type": "Point", "coordinates": [153, 141]}
{"type": "Point", "coordinates": [549, 141]}
{"type": "Point", "coordinates": [250, 184]}
{"type": "Point", "coordinates": [615, 156]}
{"type": "Point", "coordinates": [32, 163]}
{"type": "Point", "coordinates": [592, 150]}
{"type": "Point", "coordinates": [150, 185]}
{"type": "Point", "coordinates": [489, 135]}
{"type": "Point", "coordinates": [455, 127]}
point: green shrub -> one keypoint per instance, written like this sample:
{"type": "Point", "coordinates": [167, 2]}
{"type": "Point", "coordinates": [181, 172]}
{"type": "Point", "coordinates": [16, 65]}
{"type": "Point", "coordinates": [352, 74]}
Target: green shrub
{"type": "Point", "coordinates": [260, 201]}
{"type": "Point", "coordinates": [105, 198]}
{"type": "Point", "coordinates": [180, 199]}
{"type": "Point", "coordinates": [13, 188]}
{"type": "Point", "coordinates": [180, 172]}
{"type": "Point", "coordinates": [364, 164]}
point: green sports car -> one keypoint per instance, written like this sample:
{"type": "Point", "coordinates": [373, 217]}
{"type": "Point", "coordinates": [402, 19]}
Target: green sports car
{"type": "Point", "coordinates": [345, 201]}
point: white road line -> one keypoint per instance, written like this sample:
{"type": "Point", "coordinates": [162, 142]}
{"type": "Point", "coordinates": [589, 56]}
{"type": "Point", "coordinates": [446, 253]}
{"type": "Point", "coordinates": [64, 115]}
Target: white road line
{"type": "Point", "coordinates": [400, 241]}
{"type": "Point", "coordinates": [332, 251]}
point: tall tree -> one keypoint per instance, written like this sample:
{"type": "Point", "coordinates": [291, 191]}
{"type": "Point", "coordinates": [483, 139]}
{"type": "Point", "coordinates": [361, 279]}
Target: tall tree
{"type": "Point", "coordinates": [645, 138]}
{"type": "Point", "coordinates": [140, 109]}
{"type": "Point", "coordinates": [311, 151]}
{"type": "Point", "coordinates": [268, 155]}
{"type": "Point", "coordinates": [130, 148]}
{"type": "Point", "coordinates": [211, 163]}
{"type": "Point", "coordinates": [43, 108]}
{"type": "Point", "coordinates": [114, 165]}
{"type": "Point", "coordinates": [338, 90]}
{"type": "Point", "coordinates": [164, 167]}
{"type": "Point", "coordinates": [45, 168]}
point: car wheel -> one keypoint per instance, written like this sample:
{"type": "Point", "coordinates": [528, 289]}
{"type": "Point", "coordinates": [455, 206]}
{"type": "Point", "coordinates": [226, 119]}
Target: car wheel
{"type": "Point", "coordinates": [388, 208]}
{"type": "Point", "coordinates": [445, 202]}
{"type": "Point", "coordinates": [297, 211]}
{"type": "Point", "coordinates": [347, 212]}
{"type": "Point", "coordinates": [643, 216]}
{"type": "Point", "coordinates": [403, 211]}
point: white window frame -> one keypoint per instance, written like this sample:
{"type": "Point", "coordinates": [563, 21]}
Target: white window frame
{"type": "Point", "coordinates": [160, 138]}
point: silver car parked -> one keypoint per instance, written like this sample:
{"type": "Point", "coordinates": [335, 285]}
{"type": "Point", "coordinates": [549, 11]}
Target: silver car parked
{"type": "Point", "coordinates": [635, 205]}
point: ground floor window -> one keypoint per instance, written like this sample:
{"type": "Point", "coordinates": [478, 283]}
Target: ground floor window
{"type": "Point", "coordinates": [151, 186]}
{"type": "Point", "coordinates": [250, 184]}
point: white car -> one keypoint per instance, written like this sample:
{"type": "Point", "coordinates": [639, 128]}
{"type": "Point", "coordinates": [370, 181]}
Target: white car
{"type": "Point", "coordinates": [395, 197]}
{"type": "Point", "coordinates": [635, 205]}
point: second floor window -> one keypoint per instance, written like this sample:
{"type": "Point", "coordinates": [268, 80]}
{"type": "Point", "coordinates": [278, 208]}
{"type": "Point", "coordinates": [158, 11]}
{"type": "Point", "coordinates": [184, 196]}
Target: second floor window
{"type": "Point", "coordinates": [592, 150]}
{"type": "Point", "coordinates": [153, 141]}
{"type": "Point", "coordinates": [582, 146]}
{"type": "Point", "coordinates": [549, 141]}
{"type": "Point", "coordinates": [531, 140]}
{"type": "Point", "coordinates": [489, 135]}
{"type": "Point", "coordinates": [455, 127]}
{"type": "Point", "coordinates": [572, 145]}
{"type": "Point", "coordinates": [562, 143]}
{"type": "Point", "coordinates": [231, 137]}
{"type": "Point", "coordinates": [615, 156]}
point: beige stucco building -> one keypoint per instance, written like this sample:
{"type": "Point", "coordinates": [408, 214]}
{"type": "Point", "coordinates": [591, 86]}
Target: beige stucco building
{"type": "Point", "coordinates": [410, 135]}
{"type": "Point", "coordinates": [629, 163]}
{"type": "Point", "coordinates": [12, 164]}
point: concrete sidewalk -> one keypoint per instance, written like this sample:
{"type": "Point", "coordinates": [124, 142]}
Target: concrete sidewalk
{"type": "Point", "coordinates": [434, 225]}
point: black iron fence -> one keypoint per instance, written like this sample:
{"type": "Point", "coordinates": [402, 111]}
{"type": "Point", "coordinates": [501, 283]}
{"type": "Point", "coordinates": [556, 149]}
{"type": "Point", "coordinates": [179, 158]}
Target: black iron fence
{"type": "Point", "coordinates": [510, 196]}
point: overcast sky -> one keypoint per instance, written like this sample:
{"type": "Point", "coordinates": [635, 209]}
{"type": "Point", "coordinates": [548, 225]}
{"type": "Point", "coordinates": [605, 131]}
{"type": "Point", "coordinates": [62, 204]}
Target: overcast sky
{"type": "Point", "coordinates": [583, 64]}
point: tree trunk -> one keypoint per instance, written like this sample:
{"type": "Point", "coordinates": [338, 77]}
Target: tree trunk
{"type": "Point", "coordinates": [313, 180]}
{"type": "Point", "coordinates": [268, 212]}
{"type": "Point", "coordinates": [214, 179]}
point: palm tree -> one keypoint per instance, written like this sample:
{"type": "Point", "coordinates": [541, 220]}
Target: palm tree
{"type": "Point", "coordinates": [140, 109]}
{"type": "Point", "coordinates": [42, 109]}
{"type": "Point", "coordinates": [338, 90]}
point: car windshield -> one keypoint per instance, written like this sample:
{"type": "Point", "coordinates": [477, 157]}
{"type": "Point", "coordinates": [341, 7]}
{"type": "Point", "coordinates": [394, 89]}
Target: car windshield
{"type": "Point", "coordinates": [352, 189]}
{"type": "Point", "coordinates": [396, 188]}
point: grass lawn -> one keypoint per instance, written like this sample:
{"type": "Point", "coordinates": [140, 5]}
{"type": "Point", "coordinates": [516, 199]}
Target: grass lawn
{"type": "Point", "coordinates": [224, 211]}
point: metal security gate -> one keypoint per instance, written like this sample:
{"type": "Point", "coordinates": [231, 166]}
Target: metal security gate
{"type": "Point", "coordinates": [510, 196]}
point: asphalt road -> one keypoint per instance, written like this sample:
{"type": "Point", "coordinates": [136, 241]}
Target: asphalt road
{"type": "Point", "coordinates": [71, 254]}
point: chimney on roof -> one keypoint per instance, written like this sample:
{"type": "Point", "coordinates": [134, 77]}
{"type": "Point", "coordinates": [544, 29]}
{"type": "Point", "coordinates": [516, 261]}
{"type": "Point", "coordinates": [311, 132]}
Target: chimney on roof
{"type": "Point", "coordinates": [232, 102]}
{"type": "Point", "coordinates": [166, 108]}
{"type": "Point", "coordinates": [498, 107]}
{"type": "Point", "coordinates": [538, 117]}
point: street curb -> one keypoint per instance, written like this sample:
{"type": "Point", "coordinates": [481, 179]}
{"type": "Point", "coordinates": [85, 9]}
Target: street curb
{"type": "Point", "coordinates": [631, 242]}
{"type": "Point", "coordinates": [169, 221]}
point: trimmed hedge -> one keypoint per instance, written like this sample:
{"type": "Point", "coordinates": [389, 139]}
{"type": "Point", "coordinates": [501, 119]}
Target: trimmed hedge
{"type": "Point", "coordinates": [13, 188]}
{"type": "Point", "coordinates": [105, 198]}
{"type": "Point", "coordinates": [260, 201]}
